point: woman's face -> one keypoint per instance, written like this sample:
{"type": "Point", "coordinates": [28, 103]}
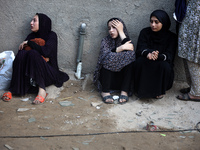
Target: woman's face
{"type": "Point", "coordinates": [155, 24]}
{"type": "Point", "coordinates": [35, 23]}
{"type": "Point", "coordinates": [112, 30]}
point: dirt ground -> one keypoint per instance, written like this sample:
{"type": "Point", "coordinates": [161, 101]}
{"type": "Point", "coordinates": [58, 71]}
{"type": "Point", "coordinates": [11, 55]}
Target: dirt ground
{"type": "Point", "coordinates": [84, 126]}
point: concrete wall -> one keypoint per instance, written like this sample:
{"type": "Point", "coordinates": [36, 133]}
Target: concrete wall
{"type": "Point", "coordinates": [67, 16]}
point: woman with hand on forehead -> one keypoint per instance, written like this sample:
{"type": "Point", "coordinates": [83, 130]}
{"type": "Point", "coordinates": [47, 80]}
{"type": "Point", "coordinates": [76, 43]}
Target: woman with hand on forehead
{"type": "Point", "coordinates": [35, 66]}
{"type": "Point", "coordinates": [156, 48]}
{"type": "Point", "coordinates": [114, 67]}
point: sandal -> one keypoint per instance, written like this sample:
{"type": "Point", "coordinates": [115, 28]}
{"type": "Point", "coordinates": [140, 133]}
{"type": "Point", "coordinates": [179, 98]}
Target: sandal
{"type": "Point", "coordinates": [40, 99]}
{"type": "Point", "coordinates": [186, 97]}
{"type": "Point", "coordinates": [185, 90]}
{"type": "Point", "coordinates": [123, 97]}
{"type": "Point", "coordinates": [106, 98]}
{"type": "Point", "coordinates": [7, 96]}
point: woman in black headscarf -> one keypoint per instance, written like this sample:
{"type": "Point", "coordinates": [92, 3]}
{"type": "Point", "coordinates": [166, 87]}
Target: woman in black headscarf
{"type": "Point", "coordinates": [114, 66]}
{"type": "Point", "coordinates": [36, 65]}
{"type": "Point", "coordinates": [156, 48]}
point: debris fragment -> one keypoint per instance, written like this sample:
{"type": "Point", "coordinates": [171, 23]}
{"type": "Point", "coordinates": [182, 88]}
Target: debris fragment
{"type": "Point", "coordinates": [115, 97]}
{"type": "Point", "coordinates": [151, 126]}
{"type": "Point", "coordinates": [66, 103]}
{"type": "Point", "coordinates": [25, 99]}
{"type": "Point", "coordinates": [98, 107]}
{"type": "Point", "coordinates": [45, 128]}
{"type": "Point", "coordinates": [8, 147]}
{"type": "Point", "coordinates": [163, 134]}
{"type": "Point", "coordinates": [31, 120]}
{"type": "Point", "coordinates": [191, 137]}
{"type": "Point", "coordinates": [139, 113]}
{"type": "Point", "coordinates": [23, 109]}
{"type": "Point", "coordinates": [89, 141]}
{"type": "Point", "coordinates": [95, 104]}
{"type": "Point", "coordinates": [82, 99]}
{"type": "Point", "coordinates": [43, 138]}
{"type": "Point", "coordinates": [183, 137]}
{"type": "Point", "coordinates": [66, 98]}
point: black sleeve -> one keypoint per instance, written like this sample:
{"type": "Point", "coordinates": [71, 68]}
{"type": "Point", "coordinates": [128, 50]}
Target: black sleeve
{"type": "Point", "coordinates": [125, 40]}
{"type": "Point", "coordinates": [35, 46]}
{"type": "Point", "coordinates": [114, 50]}
{"type": "Point", "coordinates": [161, 57]}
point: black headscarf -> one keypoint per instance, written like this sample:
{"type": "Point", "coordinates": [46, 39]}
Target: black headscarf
{"type": "Point", "coordinates": [163, 17]}
{"type": "Point", "coordinates": [44, 26]}
{"type": "Point", "coordinates": [160, 36]}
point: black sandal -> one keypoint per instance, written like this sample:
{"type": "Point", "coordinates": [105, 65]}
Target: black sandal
{"type": "Point", "coordinates": [123, 97]}
{"type": "Point", "coordinates": [185, 90]}
{"type": "Point", "coordinates": [107, 97]}
{"type": "Point", "coordinates": [186, 97]}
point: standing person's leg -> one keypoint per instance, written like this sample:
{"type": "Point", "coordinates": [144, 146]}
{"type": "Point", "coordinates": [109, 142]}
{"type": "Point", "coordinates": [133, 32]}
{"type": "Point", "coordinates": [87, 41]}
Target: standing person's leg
{"type": "Point", "coordinates": [194, 94]}
{"type": "Point", "coordinates": [194, 70]}
{"type": "Point", "coordinates": [188, 79]}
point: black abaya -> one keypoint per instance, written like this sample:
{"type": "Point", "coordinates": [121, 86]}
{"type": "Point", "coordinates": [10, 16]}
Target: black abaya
{"type": "Point", "coordinates": [31, 65]}
{"type": "Point", "coordinates": [153, 78]}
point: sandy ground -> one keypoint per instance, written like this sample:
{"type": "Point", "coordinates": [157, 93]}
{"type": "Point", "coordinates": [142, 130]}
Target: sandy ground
{"type": "Point", "coordinates": [88, 124]}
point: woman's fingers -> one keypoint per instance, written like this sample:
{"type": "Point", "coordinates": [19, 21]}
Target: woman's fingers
{"type": "Point", "coordinates": [117, 24]}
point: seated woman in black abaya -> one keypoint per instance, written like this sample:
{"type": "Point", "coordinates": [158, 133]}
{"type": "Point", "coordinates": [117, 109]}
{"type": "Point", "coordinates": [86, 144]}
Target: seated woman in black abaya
{"type": "Point", "coordinates": [156, 48]}
{"type": "Point", "coordinates": [114, 67]}
{"type": "Point", "coordinates": [35, 65]}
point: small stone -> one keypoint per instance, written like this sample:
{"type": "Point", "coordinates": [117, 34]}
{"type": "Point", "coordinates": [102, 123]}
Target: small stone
{"type": "Point", "coordinates": [95, 104]}
{"type": "Point", "coordinates": [25, 99]}
{"type": "Point", "coordinates": [31, 120]}
{"type": "Point", "coordinates": [43, 138]}
{"type": "Point", "coordinates": [98, 107]}
{"type": "Point", "coordinates": [139, 113]}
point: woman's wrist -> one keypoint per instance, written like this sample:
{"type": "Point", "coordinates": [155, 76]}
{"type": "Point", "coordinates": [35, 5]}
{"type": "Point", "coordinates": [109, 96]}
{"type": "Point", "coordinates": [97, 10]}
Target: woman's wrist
{"type": "Point", "coordinates": [122, 35]}
{"type": "Point", "coordinates": [119, 49]}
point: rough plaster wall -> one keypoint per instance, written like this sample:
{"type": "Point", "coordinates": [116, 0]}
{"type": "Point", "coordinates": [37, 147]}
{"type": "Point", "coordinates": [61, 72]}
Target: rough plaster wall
{"type": "Point", "coordinates": [67, 16]}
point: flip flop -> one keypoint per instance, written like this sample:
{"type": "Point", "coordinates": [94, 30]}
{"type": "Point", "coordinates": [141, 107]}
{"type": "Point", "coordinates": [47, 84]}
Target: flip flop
{"type": "Point", "coordinates": [40, 99]}
{"type": "Point", "coordinates": [107, 97]}
{"type": "Point", "coordinates": [8, 96]}
{"type": "Point", "coordinates": [186, 97]}
{"type": "Point", "coordinates": [123, 97]}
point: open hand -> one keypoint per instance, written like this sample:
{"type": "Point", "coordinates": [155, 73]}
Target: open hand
{"type": "Point", "coordinates": [22, 45]}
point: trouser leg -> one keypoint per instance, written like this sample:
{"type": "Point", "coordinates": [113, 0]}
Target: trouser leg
{"type": "Point", "coordinates": [127, 77]}
{"type": "Point", "coordinates": [106, 76]}
{"type": "Point", "coordinates": [194, 70]}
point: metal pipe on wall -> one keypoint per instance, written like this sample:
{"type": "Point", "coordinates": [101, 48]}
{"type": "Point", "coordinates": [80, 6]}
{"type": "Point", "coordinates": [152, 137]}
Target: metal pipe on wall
{"type": "Point", "coordinates": [80, 51]}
